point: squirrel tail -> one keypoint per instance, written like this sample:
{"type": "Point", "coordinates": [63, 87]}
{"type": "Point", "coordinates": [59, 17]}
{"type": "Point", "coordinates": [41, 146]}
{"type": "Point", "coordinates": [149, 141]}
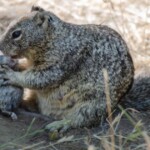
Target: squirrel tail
{"type": "Point", "coordinates": [138, 96]}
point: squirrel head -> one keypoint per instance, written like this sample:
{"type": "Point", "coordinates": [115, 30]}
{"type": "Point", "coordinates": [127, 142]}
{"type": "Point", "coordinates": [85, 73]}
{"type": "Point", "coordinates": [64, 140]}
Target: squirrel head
{"type": "Point", "coordinates": [29, 33]}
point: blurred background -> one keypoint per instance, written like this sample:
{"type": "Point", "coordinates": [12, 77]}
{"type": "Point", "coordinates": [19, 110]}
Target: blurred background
{"type": "Point", "coordinates": [131, 18]}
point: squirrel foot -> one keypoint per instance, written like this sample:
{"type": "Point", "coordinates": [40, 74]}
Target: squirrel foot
{"type": "Point", "coordinates": [57, 128]}
{"type": "Point", "coordinates": [60, 126]}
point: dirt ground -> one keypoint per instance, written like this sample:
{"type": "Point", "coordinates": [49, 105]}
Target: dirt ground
{"type": "Point", "coordinates": [27, 132]}
{"type": "Point", "coordinates": [13, 131]}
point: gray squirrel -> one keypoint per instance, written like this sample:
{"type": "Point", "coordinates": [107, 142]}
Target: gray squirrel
{"type": "Point", "coordinates": [67, 63]}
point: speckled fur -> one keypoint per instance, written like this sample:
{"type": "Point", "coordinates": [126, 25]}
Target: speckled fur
{"type": "Point", "coordinates": [67, 63]}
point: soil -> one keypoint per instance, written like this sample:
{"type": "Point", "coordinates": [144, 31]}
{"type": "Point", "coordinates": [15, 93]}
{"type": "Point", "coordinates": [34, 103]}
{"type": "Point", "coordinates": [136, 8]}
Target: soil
{"type": "Point", "coordinates": [17, 135]}
{"type": "Point", "coordinates": [13, 131]}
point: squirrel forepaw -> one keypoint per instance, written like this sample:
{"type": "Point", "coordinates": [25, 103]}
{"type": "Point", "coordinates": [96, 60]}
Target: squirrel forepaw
{"type": "Point", "coordinates": [5, 82]}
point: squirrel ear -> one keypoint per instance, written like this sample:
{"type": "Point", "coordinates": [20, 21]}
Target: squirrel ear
{"type": "Point", "coordinates": [36, 8]}
{"type": "Point", "coordinates": [41, 19]}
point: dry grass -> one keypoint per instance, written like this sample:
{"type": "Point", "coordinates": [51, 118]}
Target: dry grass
{"type": "Point", "coordinates": [131, 18]}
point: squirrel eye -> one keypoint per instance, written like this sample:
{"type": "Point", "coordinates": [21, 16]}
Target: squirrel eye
{"type": "Point", "coordinates": [16, 34]}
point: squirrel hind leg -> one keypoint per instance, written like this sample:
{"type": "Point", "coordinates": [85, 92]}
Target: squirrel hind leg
{"type": "Point", "coordinates": [87, 114]}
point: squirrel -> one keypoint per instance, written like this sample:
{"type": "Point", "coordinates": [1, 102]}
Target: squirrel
{"type": "Point", "coordinates": [10, 95]}
{"type": "Point", "coordinates": [67, 67]}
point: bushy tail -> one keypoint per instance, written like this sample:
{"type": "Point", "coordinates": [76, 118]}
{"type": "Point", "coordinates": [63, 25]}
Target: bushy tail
{"type": "Point", "coordinates": [138, 97]}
